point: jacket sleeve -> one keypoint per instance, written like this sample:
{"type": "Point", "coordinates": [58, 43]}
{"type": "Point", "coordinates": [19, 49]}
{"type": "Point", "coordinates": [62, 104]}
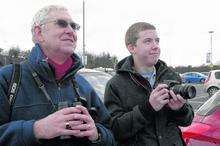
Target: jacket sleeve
{"type": "Point", "coordinates": [124, 124]}
{"type": "Point", "coordinates": [12, 132]}
{"type": "Point", "coordinates": [183, 116]}
{"type": "Point", "coordinates": [102, 122]}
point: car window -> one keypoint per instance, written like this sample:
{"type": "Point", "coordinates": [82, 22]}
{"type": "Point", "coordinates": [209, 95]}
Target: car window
{"type": "Point", "coordinates": [210, 105]}
{"type": "Point", "coordinates": [217, 75]}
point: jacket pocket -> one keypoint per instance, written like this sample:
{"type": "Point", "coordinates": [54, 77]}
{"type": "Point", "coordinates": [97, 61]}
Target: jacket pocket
{"type": "Point", "coordinates": [29, 112]}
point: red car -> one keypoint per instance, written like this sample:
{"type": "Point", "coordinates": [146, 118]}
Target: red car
{"type": "Point", "coordinates": [205, 128]}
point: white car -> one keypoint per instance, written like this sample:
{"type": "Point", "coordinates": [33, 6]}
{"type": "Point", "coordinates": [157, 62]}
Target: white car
{"type": "Point", "coordinates": [97, 79]}
{"type": "Point", "coordinates": [212, 82]}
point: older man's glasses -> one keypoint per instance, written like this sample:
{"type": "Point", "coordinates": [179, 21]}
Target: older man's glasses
{"type": "Point", "coordinates": [63, 24]}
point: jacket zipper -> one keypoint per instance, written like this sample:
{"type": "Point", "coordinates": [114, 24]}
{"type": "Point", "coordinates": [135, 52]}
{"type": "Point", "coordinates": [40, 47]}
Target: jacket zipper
{"type": "Point", "coordinates": [138, 83]}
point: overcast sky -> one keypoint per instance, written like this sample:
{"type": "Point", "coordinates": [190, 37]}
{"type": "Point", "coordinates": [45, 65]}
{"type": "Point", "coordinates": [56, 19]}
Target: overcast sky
{"type": "Point", "coordinates": [182, 25]}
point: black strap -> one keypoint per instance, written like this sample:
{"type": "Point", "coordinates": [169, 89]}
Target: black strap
{"type": "Point", "coordinates": [16, 79]}
{"type": "Point", "coordinates": [40, 85]}
{"type": "Point", "coordinates": [85, 102]}
{"type": "Point", "coordinates": [14, 83]}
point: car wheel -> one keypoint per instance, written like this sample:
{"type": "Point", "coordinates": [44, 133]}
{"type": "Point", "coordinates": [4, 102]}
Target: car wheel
{"type": "Point", "coordinates": [212, 90]}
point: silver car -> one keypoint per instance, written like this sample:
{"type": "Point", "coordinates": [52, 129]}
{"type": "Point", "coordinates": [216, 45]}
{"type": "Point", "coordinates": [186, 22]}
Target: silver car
{"type": "Point", "coordinates": [212, 83]}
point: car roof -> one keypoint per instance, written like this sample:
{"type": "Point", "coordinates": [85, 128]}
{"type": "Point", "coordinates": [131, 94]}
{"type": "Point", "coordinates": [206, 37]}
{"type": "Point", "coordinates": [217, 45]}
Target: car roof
{"type": "Point", "coordinates": [208, 106]}
{"type": "Point", "coordinates": [217, 70]}
{"type": "Point", "coordinates": [88, 70]}
{"type": "Point", "coordinates": [193, 72]}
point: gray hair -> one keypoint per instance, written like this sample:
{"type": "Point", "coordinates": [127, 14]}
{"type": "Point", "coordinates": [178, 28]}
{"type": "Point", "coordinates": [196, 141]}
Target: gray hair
{"type": "Point", "coordinates": [41, 16]}
{"type": "Point", "coordinates": [132, 33]}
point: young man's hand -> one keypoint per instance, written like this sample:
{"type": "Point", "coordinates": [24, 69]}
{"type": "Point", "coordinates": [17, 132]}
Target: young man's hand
{"type": "Point", "coordinates": [176, 101]}
{"type": "Point", "coordinates": [159, 97]}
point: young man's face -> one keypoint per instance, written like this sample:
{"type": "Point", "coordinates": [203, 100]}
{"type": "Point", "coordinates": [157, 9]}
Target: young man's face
{"type": "Point", "coordinates": [57, 38]}
{"type": "Point", "coordinates": [147, 50]}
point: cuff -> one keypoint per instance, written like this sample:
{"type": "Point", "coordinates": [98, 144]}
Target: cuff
{"type": "Point", "coordinates": [183, 110]}
{"type": "Point", "coordinates": [28, 132]}
{"type": "Point", "coordinates": [98, 140]}
{"type": "Point", "coordinates": [147, 110]}
{"type": "Point", "coordinates": [105, 136]}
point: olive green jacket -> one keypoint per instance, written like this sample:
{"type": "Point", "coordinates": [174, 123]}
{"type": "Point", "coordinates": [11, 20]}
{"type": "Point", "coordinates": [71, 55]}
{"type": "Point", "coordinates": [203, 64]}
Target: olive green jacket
{"type": "Point", "coordinates": [134, 121]}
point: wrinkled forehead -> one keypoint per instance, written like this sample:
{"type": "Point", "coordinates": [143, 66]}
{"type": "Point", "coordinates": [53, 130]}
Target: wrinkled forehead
{"type": "Point", "coordinates": [59, 14]}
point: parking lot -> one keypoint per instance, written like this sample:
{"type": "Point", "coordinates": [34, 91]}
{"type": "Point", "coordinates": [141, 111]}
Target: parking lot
{"type": "Point", "coordinates": [201, 96]}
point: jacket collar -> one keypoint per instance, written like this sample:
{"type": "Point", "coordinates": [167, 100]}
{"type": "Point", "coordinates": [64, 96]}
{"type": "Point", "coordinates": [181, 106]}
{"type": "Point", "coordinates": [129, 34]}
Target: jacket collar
{"type": "Point", "coordinates": [127, 65]}
{"type": "Point", "coordinates": [41, 66]}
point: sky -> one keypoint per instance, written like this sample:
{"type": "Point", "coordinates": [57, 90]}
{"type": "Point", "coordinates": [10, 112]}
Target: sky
{"type": "Point", "coordinates": [183, 26]}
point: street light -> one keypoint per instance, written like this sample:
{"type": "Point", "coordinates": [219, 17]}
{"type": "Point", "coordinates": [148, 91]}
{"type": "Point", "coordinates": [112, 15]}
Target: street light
{"type": "Point", "coordinates": [211, 55]}
{"type": "Point", "coordinates": [84, 59]}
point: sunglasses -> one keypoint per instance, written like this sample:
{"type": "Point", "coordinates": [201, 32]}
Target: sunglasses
{"type": "Point", "coordinates": [64, 23]}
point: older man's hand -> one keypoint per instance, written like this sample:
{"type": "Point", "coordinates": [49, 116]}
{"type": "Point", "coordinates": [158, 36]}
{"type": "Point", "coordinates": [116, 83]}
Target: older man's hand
{"type": "Point", "coordinates": [55, 124]}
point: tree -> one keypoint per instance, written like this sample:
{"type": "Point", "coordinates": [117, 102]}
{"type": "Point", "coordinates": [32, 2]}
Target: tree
{"type": "Point", "coordinates": [14, 54]}
{"type": "Point", "coordinates": [1, 50]}
{"type": "Point", "coordinates": [25, 54]}
{"type": "Point", "coordinates": [202, 68]}
{"type": "Point", "coordinates": [104, 60]}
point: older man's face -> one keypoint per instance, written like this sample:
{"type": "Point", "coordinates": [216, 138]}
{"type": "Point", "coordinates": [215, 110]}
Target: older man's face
{"type": "Point", "coordinates": [56, 36]}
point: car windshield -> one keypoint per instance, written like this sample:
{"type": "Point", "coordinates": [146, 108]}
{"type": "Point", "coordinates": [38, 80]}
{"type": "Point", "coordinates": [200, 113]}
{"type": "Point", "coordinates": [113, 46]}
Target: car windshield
{"type": "Point", "coordinates": [210, 105]}
{"type": "Point", "coordinates": [98, 80]}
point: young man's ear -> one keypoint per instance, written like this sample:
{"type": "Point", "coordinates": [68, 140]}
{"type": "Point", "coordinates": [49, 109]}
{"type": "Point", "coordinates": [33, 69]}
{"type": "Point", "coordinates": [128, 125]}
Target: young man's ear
{"type": "Point", "coordinates": [38, 34]}
{"type": "Point", "coordinates": [131, 48]}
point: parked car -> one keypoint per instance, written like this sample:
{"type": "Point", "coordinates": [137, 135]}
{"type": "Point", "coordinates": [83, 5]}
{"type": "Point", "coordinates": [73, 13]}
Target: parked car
{"type": "Point", "coordinates": [212, 83]}
{"type": "Point", "coordinates": [111, 71]}
{"type": "Point", "coordinates": [205, 73]}
{"type": "Point", "coordinates": [205, 128]}
{"type": "Point", "coordinates": [193, 77]}
{"type": "Point", "coordinates": [97, 79]}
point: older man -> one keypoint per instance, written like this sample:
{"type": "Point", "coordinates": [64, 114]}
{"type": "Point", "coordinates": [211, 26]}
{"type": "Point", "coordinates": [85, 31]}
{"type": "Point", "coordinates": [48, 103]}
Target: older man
{"type": "Point", "coordinates": [51, 105]}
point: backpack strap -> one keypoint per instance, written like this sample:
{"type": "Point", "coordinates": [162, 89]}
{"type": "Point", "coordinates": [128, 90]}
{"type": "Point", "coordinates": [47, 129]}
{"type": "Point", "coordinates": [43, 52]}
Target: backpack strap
{"type": "Point", "coordinates": [14, 83]}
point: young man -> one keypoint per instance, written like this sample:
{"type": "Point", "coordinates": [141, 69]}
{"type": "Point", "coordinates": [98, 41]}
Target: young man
{"type": "Point", "coordinates": [43, 112]}
{"type": "Point", "coordinates": [143, 113]}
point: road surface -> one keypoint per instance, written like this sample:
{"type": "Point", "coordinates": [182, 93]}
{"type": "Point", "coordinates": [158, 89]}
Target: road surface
{"type": "Point", "coordinates": [201, 96]}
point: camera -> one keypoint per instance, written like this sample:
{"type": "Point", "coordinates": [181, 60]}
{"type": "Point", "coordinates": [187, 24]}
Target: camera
{"type": "Point", "coordinates": [187, 91]}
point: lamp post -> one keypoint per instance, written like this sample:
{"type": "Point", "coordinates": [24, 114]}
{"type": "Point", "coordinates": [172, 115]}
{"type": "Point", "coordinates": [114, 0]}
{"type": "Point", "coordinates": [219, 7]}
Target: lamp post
{"type": "Point", "coordinates": [84, 59]}
{"type": "Point", "coordinates": [211, 55]}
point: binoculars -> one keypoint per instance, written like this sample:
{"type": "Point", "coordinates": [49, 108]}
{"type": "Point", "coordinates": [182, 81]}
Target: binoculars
{"type": "Point", "coordinates": [82, 101]}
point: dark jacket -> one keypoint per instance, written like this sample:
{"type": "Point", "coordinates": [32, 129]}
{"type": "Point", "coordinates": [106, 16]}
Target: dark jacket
{"type": "Point", "coordinates": [134, 121]}
{"type": "Point", "coordinates": [16, 127]}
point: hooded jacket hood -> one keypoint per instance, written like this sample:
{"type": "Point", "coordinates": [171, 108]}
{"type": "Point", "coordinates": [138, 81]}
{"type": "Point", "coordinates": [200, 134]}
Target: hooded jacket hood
{"type": "Point", "coordinates": [127, 65]}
